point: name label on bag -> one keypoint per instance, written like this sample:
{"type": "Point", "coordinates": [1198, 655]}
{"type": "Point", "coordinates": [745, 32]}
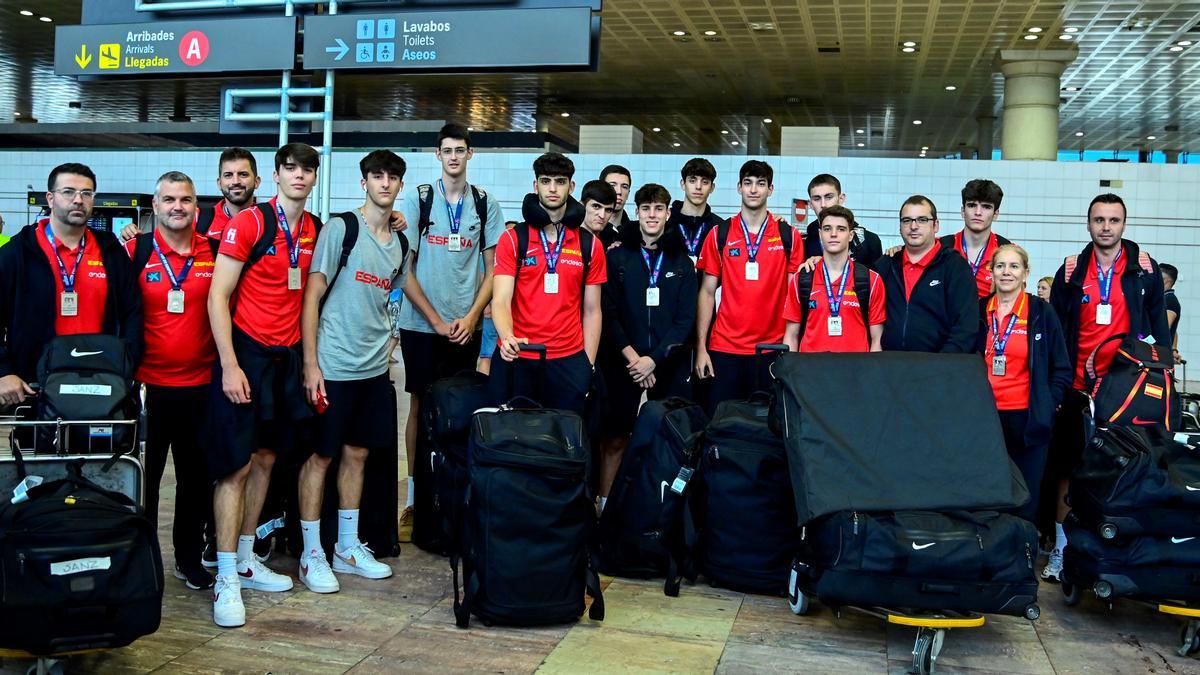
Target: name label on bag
{"type": "Point", "coordinates": [85, 389]}
{"type": "Point", "coordinates": [62, 569]}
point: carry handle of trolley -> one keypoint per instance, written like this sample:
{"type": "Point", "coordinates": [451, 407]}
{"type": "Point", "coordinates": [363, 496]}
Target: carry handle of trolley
{"type": "Point", "coordinates": [21, 417]}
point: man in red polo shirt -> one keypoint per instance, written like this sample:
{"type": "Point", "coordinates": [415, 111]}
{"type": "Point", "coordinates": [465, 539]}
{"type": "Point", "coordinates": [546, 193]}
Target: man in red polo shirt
{"type": "Point", "coordinates": [547, 291]}
{"type": "Point", "coordinates": [257, 398]}
{"type": "Point", "coordinates": [824, 307]}
{"type": "Point", "coordinates": [977, 242]}
{"type": "Point", "coordinates": [174, 266]}
{"type": "Point", "coordinates": [58, 277]}
{"type": "Point", "coordinates": [753, 268]}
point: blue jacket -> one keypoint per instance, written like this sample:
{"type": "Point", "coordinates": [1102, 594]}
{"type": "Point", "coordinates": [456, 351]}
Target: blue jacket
{"type": "Point", "coordinates": [941, 316]}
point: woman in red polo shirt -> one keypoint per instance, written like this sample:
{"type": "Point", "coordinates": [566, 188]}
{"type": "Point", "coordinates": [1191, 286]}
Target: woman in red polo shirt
{"type": "Point", "coordinates": [1025, 354]}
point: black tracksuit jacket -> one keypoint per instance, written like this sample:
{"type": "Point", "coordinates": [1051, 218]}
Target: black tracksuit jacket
{"type": "Point", "coordinates": [943, 313]}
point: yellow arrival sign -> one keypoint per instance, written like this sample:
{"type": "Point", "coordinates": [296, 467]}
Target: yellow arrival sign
{"type": "Point", "coordinates": [83, 58]}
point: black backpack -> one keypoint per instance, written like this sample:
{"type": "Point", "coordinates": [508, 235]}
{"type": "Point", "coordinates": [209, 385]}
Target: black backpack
{"type": "Point", "coordinates": [204, 220]}
{"type": "Point", "coordinates": [425, 200]}
{"type": "Point", "coordinates": [862, 288]}
{"type": "Point", "coordinates": [87, 377]}
{"type": "Point", "coordinates": [642, 526]}
{"type": "Point", "coordinates": [1139, 388]}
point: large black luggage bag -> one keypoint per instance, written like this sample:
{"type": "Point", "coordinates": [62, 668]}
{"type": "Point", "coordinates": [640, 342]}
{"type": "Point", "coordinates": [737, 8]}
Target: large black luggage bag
{"type": "Point", "coordinates": [919, 560]}
{"type": "Point", "coordinates": [80, 568]}
{"type": "Point", "coordinates": [1146, 568]}
{"type": "Point", "coordinates": [742, 502]}
{"type": "Point", "coordinates": [530, 521]}
{"type": "Point", "coordinates": [87, 377]}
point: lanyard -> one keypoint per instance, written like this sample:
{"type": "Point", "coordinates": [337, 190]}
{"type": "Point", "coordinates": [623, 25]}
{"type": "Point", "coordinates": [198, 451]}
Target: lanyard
{"type": "Point", "coordinates": [979, 258]}
{"type": "Point", "coordinates": [999, 343]}
{"type": "Point", "coordinates": [552, 260]}
{"type": "Point", "coordinates": [454, 215]}
{"type": "Point", "coordinates": [752, 251]}
{"type": "Point", "coordinates": [835, 306]}
{"type": "Point", "coordinates": [693, 245]}
{"type": "Point", "coordinates": [1104, 281]}
{"type": "Point", "coordinates": [68, 281]}
{"type": "Point", "coordinates": [653, 269]}
{"type": "Point", "coordinates": [293, 245]}
{"type": "Point", "coordinates": [176, 282]}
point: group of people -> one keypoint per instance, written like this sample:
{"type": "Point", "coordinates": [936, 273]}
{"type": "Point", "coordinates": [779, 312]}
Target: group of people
{"type": "Point", "coordinates": [244, 339]}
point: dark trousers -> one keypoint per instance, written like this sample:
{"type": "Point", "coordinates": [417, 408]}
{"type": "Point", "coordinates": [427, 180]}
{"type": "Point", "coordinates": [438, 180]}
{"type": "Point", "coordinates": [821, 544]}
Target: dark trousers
{"type": "Point", "coordinates": [1030, 460]}
{"type": "Point", "coordinates": [174, 417]}
{"type": "Point", "coordinates": [737, 376]}
{"type": "Point", "coordinates": [561, 383]}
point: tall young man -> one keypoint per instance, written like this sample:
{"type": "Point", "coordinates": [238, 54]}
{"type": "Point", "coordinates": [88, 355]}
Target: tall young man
{"type": "Point", "coordinates": [840, 306]}
{"type": "Point", "coordinates": [649, 312]}
{"type": "Point", "coordinates": [345, 330]}
{"type": "Point", "coordinates": [753, 266]}
{"type": "Point", "coordinates": [621, 181]}
{"type": "Point", "coordinates": [1111, 287]}
{"type": "Point", "coordinates": [825, 190]}
{"type": "Point", "coordinates": [931, 301]}
{"type": "Point", "coordinates": [257, 396]}
{"type": "Point", "coordinates": [449, 281]}
{"type": "Point", "coordinates": [977, 242]}
{"type": "Point", "coordinates": [174, 268]}
{"type": "Point", "coordinates": [60, 278]}
{"type": "Point", "coordinates": [692, 215]}
{"type": "Point", "coordinates": [547, 291]}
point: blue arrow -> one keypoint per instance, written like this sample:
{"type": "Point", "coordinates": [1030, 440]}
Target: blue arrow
{"type": "Point", "coordinates": [341, 49]}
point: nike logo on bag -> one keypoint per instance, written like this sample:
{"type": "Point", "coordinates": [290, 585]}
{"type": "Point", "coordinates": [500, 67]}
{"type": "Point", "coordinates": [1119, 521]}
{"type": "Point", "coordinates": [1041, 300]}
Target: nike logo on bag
{"type": "Point", "coordinates": [922, 546]}
{"type": "Point", "coordinates": [1192, 489]}
{"type": "Point", "coordinates": [1176, 540]}
{"type": "Point", "coordinates": [662, 497]}
{"type": "Point", "coordinates": [76, 353]}
{"type": "Point", "coordinates": [1140, 421]}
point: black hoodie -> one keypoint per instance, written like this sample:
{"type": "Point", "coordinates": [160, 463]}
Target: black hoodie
{"type": "Point", "coordinates": [693, 228]}
{"type": "Point", "coordinates": [651, 331]}
{"type": "Point", "coordinates": [943, 313]}
{"type": "Point", "coordinates": [865, 245]}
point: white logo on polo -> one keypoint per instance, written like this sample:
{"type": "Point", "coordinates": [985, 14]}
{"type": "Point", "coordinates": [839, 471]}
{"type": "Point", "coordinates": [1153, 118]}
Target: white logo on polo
{"type": "Point", "coordinates": [922, 546]}
{"type": "Point", "coordinates": [662, 497]}
{"type": "Point", "coordinates": [231, 236]}
{"type": "Point", "coordinates": [76, 353]}
{"type": "Point", "coordinates": [1176, 540]}
{"type": "Point", "coordinates": [1037, 337]}
{"type": "Point", "coordinates": [935, 282]}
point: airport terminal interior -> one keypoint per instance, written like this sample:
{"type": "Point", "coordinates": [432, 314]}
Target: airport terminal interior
{"type": "Point", "coordinates": [1055, 102]}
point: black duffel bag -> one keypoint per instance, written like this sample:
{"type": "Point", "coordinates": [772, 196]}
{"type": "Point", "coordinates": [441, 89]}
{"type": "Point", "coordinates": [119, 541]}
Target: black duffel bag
{"type": "Point", "coordinates": [80, 568]}
{"type": "Point", "coordinates": [1139, 387]}
{"type": "Point", "coordinates": [87, 377]}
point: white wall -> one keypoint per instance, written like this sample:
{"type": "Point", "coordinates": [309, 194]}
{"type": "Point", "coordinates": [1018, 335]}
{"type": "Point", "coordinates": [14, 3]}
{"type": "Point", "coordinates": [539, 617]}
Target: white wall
{"type": "Point", "coordinates": [1044, 206]}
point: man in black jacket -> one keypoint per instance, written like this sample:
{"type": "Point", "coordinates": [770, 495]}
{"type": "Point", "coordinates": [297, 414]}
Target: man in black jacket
{"type": "Point", "coordinates": [619, 178]}
{"type": "Point", "coordinates": [649, 309]}
{"type": "Point", "coordinates": [826, 190]}
{"type": "Point", "coordinates": [58, 277]}
{"type": "Point", "coordinates": [692, 216]}
{"type": "Point", "coordinates": [931, 301]}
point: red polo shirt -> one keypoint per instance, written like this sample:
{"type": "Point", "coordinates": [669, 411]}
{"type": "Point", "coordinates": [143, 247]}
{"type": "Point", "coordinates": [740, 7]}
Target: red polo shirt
{"type": "Point", "coordinates": [854, 337]}
{"type": "Point", "coordinates": [983, 275]}
{"type": "Point", "coordinates": [1091, 334]}
{"type": "Point", "coordinates": [914, 270]}
{"type": "Point", "coordinates": [91, 282]}
{"type": "Point", "coordinates": [220, 220]}
{"type": "Point", "coordinates": [1012, 388]}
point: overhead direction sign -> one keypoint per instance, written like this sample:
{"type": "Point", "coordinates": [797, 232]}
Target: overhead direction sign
{"type": "Point", "coordinates": [460, 39]}
{"type": "Point", "coordinates": [200, 46]}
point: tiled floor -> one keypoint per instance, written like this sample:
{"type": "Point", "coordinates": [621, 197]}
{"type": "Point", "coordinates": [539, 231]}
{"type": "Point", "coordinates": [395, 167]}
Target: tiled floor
{"type": "Point", "coordinates": [405, 624]}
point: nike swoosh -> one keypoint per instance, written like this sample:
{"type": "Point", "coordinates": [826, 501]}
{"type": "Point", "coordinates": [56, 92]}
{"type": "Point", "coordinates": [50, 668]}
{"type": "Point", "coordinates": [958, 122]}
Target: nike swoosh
{"type": "Point", "coordinates": [1175, 540]}
{"type": "Point", "coordinates": [1137, 420]}
{"type": "Point", "coordinates": [662, 497]}
{"type": "Point", "coordinates": [347, 518]}
{"type": "Point", "coordinates": [1192, 489]}
{"type": "Point", "coordinates": [247, 574]}
{"type": "Point", "coordinates": [922, 546]}
{"type": "Point", "coordinates": [76, 353]}
{"type": "Point", "coordinates": [304, 569]}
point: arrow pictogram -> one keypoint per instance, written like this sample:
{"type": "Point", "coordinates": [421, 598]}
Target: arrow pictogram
{"type": "Point", "coordinates": [83, 58]}
{"type": "Point", "coordinates": [341, 49]}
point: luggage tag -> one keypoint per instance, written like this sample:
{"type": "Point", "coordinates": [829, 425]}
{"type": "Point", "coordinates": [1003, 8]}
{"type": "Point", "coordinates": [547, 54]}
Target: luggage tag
{"type": "Point", "coordinates": [175, 301]}
{"type": "Point", "coordinates": [268, 527]}
{"type": "Point", "coordinates": [751, 271]}
{"type": "Point", "coordinates": [550, 284]}
{"type": "Point", "coordinates": [999, 363]}
{"type": "Point", "coordinates": [293, 278]}
{"type": "Point", "coordinates": [21, 491]}
{"type": "Point", "coordinates": [652, 296]}
{"type": "Point", "coordinates": [680, 483]}
{"type": "Point", "coordinates": [1103, 314]}
{"type": "Point", "coordinates": [68, 304]}
{"type": "Point", "coordinates": [835, 326]}
{"type": "Point", "coordinates": [454, 244]}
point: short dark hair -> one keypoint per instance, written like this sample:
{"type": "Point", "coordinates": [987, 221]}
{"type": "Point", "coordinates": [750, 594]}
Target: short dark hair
{"type": "Point", "coordinates": [300, 153]}
{"type": "Point", "coordinates": [920, 200]}
{"type": "Point", "coordinates": [235, 154]}
{"type": "Point", "coordinates": [553, 164]}
{"type": "Point", "coordinates": [615, 168]}
{"type": "Point", "coordinates": [699, 167]}
{"type": "Point", "coordinates": [598, 191]}
{"type": "Point", "coordinates": [824, 179]}
{"type": "Point", "coordinates": [1170, 270]}
{"type": "Point", "coordinates": [757, 169]}
{"type": "Point", "coordinates": [455, 131]}
{"type": "Point", "coordinates": [382, 160]}
{"type": "Point", "coordinates": [652, 193]}
{"type": "Point", "coordinates": [1108, 198]}
{"type": "Point", "coordinates": [837, 211]}
{"type": "Point", "coordinates": [982, 190]}
{"type": "Point", "coordinates": [74, 168]}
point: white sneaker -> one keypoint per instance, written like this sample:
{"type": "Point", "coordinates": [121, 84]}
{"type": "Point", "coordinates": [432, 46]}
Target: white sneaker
{"type": "Point", "coordinates": [228, 610]}
{"type": "Point", "coordinates": [315, 573]}
{"type": "Point", "coordinates": [1053, 568]}
{"type": "Point", "coordinates": [358, 559]}
{"type": "Point", "coordinates": [256, 577]}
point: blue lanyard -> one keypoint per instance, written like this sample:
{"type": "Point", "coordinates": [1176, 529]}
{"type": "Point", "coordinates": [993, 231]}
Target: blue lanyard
{"type": "Point", "coordinates": [1000, 343]}
{"type": "Point", "coordinates": [752, 251]}
{"type": "Point", "coordinates": [552, 260]}
{"type": "Point", "coordinates": [979, 258]}
{"type": "Point", "coordinates": [693, 245]}
{"type": "Point", "coordinates": [68, 280]}
{"type": "Point", "coordinates": [176, 282]}
{"type": "Point", "coordinates": [293, 245]}
{"type": "Point", "coordinates": [455, 215]}
{"type": "Point", "coordinates": [835, 306]}
{"type": "Point", "coordinates": [1104, 281]}
{"type": "Point", "coordinates": [653, 269]}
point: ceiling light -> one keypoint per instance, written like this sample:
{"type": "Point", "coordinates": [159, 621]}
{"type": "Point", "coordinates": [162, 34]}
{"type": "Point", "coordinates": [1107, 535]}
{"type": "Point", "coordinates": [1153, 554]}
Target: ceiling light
{"type": "Point", "coordinates": [734, 143]}
{"type": "Point", "coordinates": [908, 50]}
{"type": "Point", "coordinates": [1184, 43]}
{"type": "Point", "coordinates": [1152, 138]}
{"type": "Point", "coordinates": [45, 18]}
{"type": "Point", "coordinates": [679, 33]}
{"type": "Point", "coordinates": [710, 33]}
{"type": "Point", "coordinates": [767, 120]}
{"type": "Point", "coordinates": [924, 148]}
{"type": "Point", "coordinates": [676, 144]}
{"type": "Point", "coordinates": [951, 87]}
{"type": "Point", "coordinates": [16, 113]}
{"type": "Point", "coordinates": [564, 114]}
{"type": "Point", "coordinates": [1066, 37]}
{"type": "Point", "coordinates": [1070, 29]}
{"type": "Point", "coordinates": [1034, 29]}
{"type": "Point", "coordinates": [859, 131]}
{"type": "Point", "coordinates": [1175, 49]}
{"type": "Point", "coordinates": [1031, 37]}
{"type": "Point", "coordinates": [916, 121]}
{"type": "Point", "coordinates": [724, 131]}
{"type": "Point", "coordinates": [908, 44]}
{"type": "Point", "coordinates": [862, 145]}
{"type": "Point", "coordinates": [26, 12]}
{"type": "Point", "coordinates": [656, 129]}
{"type": "Point", "coordinates": [1078, 134]}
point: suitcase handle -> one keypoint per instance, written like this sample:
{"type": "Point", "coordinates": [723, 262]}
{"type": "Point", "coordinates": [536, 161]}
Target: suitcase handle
{"type": "Point", "coordinates": [537, 348]}
{"type": "Point", "coordinates": [939, 588]}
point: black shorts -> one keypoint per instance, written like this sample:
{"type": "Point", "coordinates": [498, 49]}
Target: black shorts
{"type": "Point", "coordinates": [737, 376]}
{"type": "Point", "coordinates": [429, 357]}
{"type": "Point", "coordinates": [358, 415]}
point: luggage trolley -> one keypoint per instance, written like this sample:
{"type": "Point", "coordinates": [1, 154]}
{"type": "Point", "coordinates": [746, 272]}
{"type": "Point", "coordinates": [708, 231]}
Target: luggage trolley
{"type": "Point", "coordinates": [1189, 632]}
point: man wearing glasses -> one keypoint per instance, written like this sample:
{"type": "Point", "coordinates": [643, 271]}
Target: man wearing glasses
{"type": "Point", "coordinates": [931, 300]}
{"type": "Point", "coordinates": [58, 277]}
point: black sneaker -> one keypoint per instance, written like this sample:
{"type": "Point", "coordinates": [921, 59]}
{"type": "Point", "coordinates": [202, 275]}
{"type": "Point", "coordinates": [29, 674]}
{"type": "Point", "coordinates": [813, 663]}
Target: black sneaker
{"type": "Point", "coordinates": [194, 576]}
{"type": "Point", "coordinates": [209, 557]}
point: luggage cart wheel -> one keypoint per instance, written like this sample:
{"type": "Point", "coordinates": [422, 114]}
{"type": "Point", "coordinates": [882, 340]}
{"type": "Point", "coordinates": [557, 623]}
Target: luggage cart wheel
{"type": "Point", "coordinates": [926, 649]}
{"type": "Point", "coordinates": [797, 600]}
{"type": "Point", "coordinates": [1189, 638]}
{"type": "Point", "coordinates": [1108, 531]}
{"type": "Point", "coordinates": [1072, 593]}
{"type": "Point", "coordinates": [1032, 611]}
{"type": "Point", "coordinates": [1103, 589]}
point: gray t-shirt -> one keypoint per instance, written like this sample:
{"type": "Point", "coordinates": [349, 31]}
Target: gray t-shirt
{"type": "Point", "coordinates": [354, 328]}
{"type": "Point", "coordinates": [450, 280]}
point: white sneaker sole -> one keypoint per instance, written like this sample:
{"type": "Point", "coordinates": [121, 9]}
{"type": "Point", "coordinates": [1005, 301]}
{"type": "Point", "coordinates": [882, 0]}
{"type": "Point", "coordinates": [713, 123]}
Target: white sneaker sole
{"type": "Point", "coordinates": [318, 588]}
{"type": "Point", "coordinates": [346, 568]}
{"type": "Point", "coordinates": [230, 622]}
{"type": "Point", "coordinates": [253, 584]}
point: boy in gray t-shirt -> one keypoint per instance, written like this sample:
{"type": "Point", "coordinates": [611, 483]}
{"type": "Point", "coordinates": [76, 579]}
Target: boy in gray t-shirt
{"type": "Point", "coordinates": [346, 379]}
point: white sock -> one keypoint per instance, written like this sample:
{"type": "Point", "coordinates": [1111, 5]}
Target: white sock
{"type": "Point", "coordinates": [227, 564]}
{"type": "Point", "coordinates": [311, 529]}
{"type": "Point", "coordinates": [347, 528]}
{"type": "Point", "coordinates": [245, 550]}
{"type": "Point", "coordinates": [408, 501]}
{"type": "Point", "coordinates": [1060, 537]}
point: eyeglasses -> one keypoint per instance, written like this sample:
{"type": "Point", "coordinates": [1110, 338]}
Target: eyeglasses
{"type": "Point", "coordinates": [924, 220]}
{"type": "Point", "coordinates": [69, 193]}
{"type": "Point", "coordinates": [459, 151]}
